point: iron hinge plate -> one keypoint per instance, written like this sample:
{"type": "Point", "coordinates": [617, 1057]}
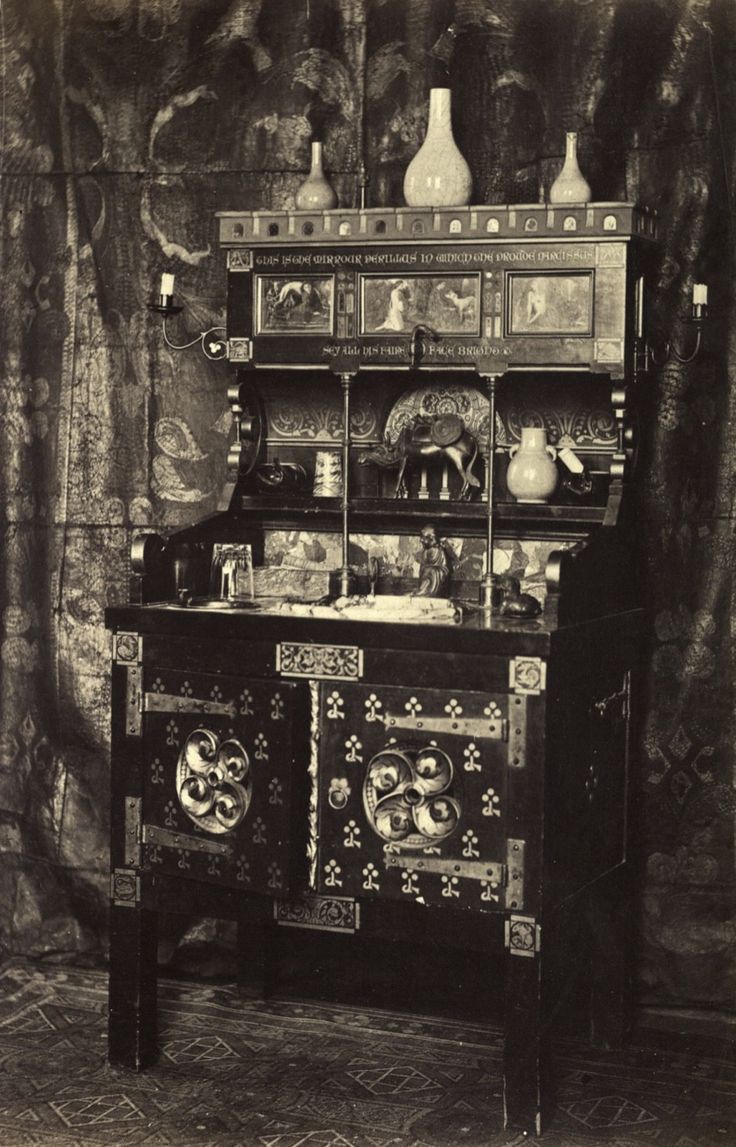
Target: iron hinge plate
{"type": "Point", "coordinates": [133, 831]}
{"type": "Point", "coordinates": [515, 851]}
{"type": "Point", "coordinates": [171, 703]}
{"type": "Point", "coordinates": [477, 728]}
{"type": "Point", "coordinates": [134, 701]}
{"type": "Point", "coordinates": [489, 871]}
{"type": "Point", "coordinates": [517, 732]}
{"type": "Point", "coordinates": [183, 841]}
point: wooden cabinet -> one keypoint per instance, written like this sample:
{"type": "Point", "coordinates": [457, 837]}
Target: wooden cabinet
{"type": "Point", "coordinates": [360, 770]}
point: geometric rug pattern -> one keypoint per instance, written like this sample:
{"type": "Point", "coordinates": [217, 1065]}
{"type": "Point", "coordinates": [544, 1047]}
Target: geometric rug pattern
{"type": "Point", "coordinates": [235, 1072]}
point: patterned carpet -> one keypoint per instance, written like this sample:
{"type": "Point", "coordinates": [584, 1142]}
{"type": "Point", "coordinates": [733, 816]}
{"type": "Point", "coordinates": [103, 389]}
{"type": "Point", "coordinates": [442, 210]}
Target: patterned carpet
{"type": "Point", "coordinates": [237, 1073]}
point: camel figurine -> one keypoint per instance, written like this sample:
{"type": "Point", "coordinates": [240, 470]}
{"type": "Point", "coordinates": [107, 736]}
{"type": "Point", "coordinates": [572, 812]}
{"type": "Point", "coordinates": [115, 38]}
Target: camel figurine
{"type": "Point", "coordinates": [444, 438]}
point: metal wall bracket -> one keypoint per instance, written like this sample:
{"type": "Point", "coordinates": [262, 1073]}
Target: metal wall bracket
{"type": "Point", "coordinates": [125, 888]}
{"type": "Point", "coordinates": [515, 850]}
{"type": "Point", "coordinates": [492, 871]}
{"type": "Point", "coordinates": [523, 936]}
{"type": "Point", "coordinates": [528, 675]}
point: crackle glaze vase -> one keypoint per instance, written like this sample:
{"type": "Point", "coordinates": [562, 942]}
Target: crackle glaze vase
{"type": "Point", "coordinates": [438, 175]}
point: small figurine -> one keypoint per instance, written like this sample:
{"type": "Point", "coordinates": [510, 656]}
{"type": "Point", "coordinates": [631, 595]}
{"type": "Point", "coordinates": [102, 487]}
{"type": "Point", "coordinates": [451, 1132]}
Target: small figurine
{"type": "Point", "coordinates": [514, 603]}
{"type": "Point", "coordinates": [435, 564]}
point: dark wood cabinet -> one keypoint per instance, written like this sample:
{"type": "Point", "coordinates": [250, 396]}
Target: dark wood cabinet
{"type": "Point", "coordinates": [450, 775]}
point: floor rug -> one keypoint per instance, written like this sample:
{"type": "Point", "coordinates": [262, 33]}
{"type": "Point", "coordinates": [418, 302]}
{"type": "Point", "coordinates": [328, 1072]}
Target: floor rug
{"type": "Point", "coordinates": [243, 1073]}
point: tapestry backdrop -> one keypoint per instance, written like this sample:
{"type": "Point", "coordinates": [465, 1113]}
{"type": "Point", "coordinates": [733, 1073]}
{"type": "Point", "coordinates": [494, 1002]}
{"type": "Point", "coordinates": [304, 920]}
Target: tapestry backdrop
{"type": "Point", "coordinates": [127, 123]}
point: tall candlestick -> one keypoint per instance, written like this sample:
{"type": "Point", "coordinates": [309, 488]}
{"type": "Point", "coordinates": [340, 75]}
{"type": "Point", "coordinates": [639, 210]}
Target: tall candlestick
{"type": "Point", "coordinates": [167, 284]}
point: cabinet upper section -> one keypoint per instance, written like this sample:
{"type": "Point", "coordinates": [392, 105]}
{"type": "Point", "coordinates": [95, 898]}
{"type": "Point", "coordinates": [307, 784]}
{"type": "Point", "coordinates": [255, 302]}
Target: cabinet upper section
{"type": "Point", "coordinates": [481, 288]}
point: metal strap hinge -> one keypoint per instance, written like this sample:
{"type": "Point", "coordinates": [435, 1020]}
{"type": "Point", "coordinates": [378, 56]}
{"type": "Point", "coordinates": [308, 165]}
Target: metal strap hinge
{"type": "Point", "coordinates": [182, 841]}
{"type": "Point", "coordinates": [133, 831]}
{"type": "Point", "coordinates": [478, 728]}
{"type": "Point", "coordinates": [490, 871]}
{"type": "Point", "coordinates": [134, 701]}
{"type": "Point", "coordinates": [172, 703]}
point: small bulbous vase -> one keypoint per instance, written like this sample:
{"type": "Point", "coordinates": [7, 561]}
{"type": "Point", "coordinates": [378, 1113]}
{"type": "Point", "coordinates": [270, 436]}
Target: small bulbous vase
{"type": "Point", "coordinates": [532, 474]}
{"type": "Point", "coordinates": [571, 186]}
{"type": "Point", "coordinates": [438, 175]}
{"type": "Point", "coordinates": [316, 193]}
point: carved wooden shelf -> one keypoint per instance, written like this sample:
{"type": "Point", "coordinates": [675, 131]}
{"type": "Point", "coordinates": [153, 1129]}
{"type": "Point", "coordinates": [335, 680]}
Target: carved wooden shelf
{"type": "Point", "coordinates": [369, 515]}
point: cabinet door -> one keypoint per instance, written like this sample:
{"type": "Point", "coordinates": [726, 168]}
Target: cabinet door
{"type": "Point", "coordinates": [411, 794]}
{"type": "Point", "coordinates": [218, 788]}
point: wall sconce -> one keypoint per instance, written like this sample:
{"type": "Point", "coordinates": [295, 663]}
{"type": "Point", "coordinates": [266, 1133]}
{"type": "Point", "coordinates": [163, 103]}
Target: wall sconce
{"type": "Point", "coordinates": [698, 315]}
{"type": "Point", "coordinates": [213, 347]}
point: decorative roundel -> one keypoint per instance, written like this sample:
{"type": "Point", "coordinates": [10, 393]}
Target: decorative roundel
{"type": "Point", "coordinates": [446, 429]}
{"type": "Point", "coordinates": [213, 781]}
{"type": "Point", "coordinates": [406, 796]}
{"type": "Point", "coordinates": [252, 422]}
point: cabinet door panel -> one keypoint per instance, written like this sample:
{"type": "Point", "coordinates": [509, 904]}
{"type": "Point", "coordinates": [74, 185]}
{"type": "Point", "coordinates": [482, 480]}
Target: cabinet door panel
{"type": "Point", "coordinates": [219, 772]}
{"type": "Point", "coordinates": [412, 794]}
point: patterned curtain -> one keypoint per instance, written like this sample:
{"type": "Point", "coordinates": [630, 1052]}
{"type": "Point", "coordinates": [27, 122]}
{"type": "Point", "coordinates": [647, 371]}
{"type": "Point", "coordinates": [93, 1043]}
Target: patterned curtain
{"type": "Point", "coordinates": [126, 124]}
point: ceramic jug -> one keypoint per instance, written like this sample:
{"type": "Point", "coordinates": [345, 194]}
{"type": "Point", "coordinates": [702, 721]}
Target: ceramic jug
{"type": "Point", "coordinates": [532, 474]}
{"type": "Point", "coordinates": [571, 186]}
{"type": "Point", "coordinates": [316, 193]}
{"type": "Point", "coordinates": [438, 175]}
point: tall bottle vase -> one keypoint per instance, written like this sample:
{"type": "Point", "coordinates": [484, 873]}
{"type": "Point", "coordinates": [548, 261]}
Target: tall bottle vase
{"type": "Point", "coordinates": [438, 175]}
{"type": "Point", "coordinates": [316, 193]}
{"type": "Point", "coordinates": [571, 186]}
{"type": "Point", "coordinates": [532, 474]}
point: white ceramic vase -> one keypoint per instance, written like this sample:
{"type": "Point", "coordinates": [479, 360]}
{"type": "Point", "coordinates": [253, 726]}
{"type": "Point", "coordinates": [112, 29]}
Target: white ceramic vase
{"type": "Point", "coordinates": [532, 475]}
{"type": "Point", "coordinates": [571, 186]}
{"type": "Point", "coordinates": [438, 176]}
{"type": "Point", "coordinates": [316, 193]}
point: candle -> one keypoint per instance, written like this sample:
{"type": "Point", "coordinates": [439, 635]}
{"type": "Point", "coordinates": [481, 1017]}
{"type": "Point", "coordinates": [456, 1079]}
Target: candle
{"type": "Point", "coordinates": [167, 284]}
{"type": "Point", "coordinates": [700, 294]}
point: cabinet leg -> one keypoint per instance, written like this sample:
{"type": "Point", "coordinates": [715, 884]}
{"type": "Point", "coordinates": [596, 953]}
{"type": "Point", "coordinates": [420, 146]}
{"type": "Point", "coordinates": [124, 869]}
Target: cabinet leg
{"type": "Point", "coordinates": [610, 991]}
{"type": "Point", "coordinates": [525, 1057]}
{"type": "Point", "coordinates": [133, 969]}
{"type": "Point", "coordinates": [254, 943]}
